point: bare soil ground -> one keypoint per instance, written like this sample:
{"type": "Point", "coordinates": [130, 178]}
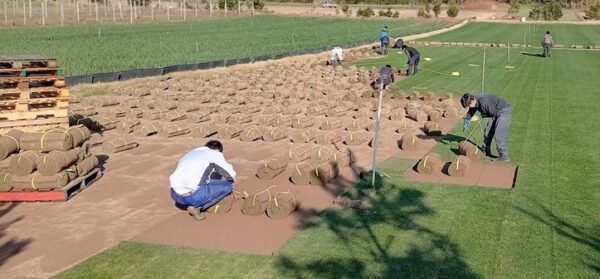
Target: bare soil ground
{"type": "Point", "coordinates": [132, 202]}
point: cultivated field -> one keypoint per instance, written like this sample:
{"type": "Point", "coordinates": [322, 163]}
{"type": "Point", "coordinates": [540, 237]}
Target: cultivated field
{"type": "Point", "coordinates": [101, 48]}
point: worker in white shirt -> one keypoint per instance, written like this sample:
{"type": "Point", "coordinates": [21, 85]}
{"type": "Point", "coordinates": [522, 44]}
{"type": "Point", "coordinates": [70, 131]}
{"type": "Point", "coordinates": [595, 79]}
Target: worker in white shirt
{"type": "Point", "coordinates": [336, 56]}
{"type": "Point", "coordinates": [202, 178]}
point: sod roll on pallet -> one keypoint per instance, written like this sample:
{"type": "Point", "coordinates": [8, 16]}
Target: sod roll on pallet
{"type": "Point", "coordinates": [118, 144]}
{"type": "Point", "coordinates": [272, 167]}
{"type": "Point", "coordinates": [24, 163]}
{"type": "Point", "coordinates": [429, 163]}
{"type": "Point", "coordinates": [459, 166]}
{"type": "Point", "coordinates": [37, 181]}
{"type": "Point", "coordinates": [47, 141]}
{"type": "Point", "coordinates": [10, 143]}
{"type": "Point", "coordinates": [281, 205]}
{"type": "Point", "coordinates": [56, 161]}
{"type": "Point", "coordinates": [79, 133]}
{"type": "Point", "coordinates": [87, 165]}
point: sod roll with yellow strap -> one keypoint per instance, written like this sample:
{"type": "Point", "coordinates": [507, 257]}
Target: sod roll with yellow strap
{"type": "Point", "coordinates": [274, 134]}
{"type": "Point", "coordinates": [324, 173]}
{"type": "Point", "coordinates": [281, 205]}
{"type": "Point", "coordinates": [328, 137]}
{"type": "Point", "coordinates": [204, 130]}
{"type": "Point", "coordinates": [470, 150]}
{"type": "Point", "coordinates": [301, 173]}
{"type": "Point", "coordinates": [356, 138]}
{"type": "Point", "coordinates": [119, 144]}
{"type": "Point", "coordinates": [146, 129]}
{"type": "Point", "coordinates": [257, 203]}
{"type": "Point", "coordinates": [251, 134]}
{"type": "Point", "coordinates": [198, 117]}
{"type": "Point", "coordinates": [321, 154]}
{"type": "Point", "coordinates": [223, 206]}
{"type": "Point", "coordinates": [409, 141]}
{"type": "Point", "coordinates": [37, 181]}
{"type": "Point", "coordinates": [9, 143]}
{"type": "Point", "coordinates": [302, 122]}
{"type": "Point", "coordinates": [87, 165]}
{"type": "Point", "coordinates": [343, 157]}
{"type": "Point", "coordinates": [459, 166]}
{"type": "Point", "coordinates": [429, 163]}
{"type": "Point", "coordinates": [272, 167]}
{"type": "Point", "coordinates": [47, 141]}
{"type": "Point", "coordinates": [24, 163]}
{"type": "Point", "coordinates": [5, 178]}
{"type": "Point", "coordinates": [173, 130]}
{"type": "Point", "coordinates": [79, 133]}
{"type": "Point", "coordinates": [56, 161]}
{"type": "Point", "coordinates": [302, 136]}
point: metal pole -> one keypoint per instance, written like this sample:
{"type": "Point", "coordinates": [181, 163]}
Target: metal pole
{"type": "Point", "coordinates": [377, 128]}
{"type": "Point", "coordinates": [508, 51]}
{"type": "Point", "coordinates": [483, 73]}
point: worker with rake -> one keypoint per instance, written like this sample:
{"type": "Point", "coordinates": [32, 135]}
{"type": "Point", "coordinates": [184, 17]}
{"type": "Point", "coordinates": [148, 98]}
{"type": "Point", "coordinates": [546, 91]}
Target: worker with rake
{"type": "Point", "coordinates": [500, 112]}
{"type": "Point", "coordinates": [202, 178]}
{"type": "Point", "coordinates": [413, 59]}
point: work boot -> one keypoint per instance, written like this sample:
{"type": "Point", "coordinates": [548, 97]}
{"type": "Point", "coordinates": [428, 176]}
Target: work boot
{"type": "Point", "coordinates": [502, 159]}
{"type": "Point", "coordinates": [196, 213]}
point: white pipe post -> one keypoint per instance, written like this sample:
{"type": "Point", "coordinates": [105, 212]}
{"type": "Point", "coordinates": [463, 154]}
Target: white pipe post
{"type": "Point", "coordinates": [89, 8]}
{"type": "Point", "coordinates": [24, 13]}
{"type": "Point", "coordinates": [105, 9]}
{"type": "Point", "coordinates": [377, 128]}
{"type": "Point", "coordinates": [43, 17]}
{"type": "Point", "coordinates": [483, 73]}
{"type": "Point", "coordinates": [77, 11]}
{"type": "Point", "coordinates": [121, 10]}
{"type": "Point", "coordinates": [30, 10]}
{"type": "Point", "coordinates": [96, 8]}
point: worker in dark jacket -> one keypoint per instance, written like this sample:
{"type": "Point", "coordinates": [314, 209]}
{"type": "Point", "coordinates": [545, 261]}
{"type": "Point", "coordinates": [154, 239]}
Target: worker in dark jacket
{"type": "Point", "coordinates": [386, 77]}
{"type": "Point", "coordinates": [500, 112]}
{"type": "Point", "coordinates": [547, 43]}
{"type": "Point", "coordinates": [413, 59]}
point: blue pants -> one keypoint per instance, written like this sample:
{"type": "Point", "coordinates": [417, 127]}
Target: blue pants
{"type": "Point", "coordinates": [498, 128]}
{"type": "Point", "coordinates": [206, 196]}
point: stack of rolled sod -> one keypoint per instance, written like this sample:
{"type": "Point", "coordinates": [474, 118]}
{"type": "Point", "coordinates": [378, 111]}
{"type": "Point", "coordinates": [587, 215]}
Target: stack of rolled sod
{"type": "Point", "coordinates": [47, 160]}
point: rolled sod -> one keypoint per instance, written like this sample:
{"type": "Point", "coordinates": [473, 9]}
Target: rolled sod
{"type": "Point", "coordinates": [223, 206]}
{"type": "Point", "coordinates": [281, 205]}
{"type": "Point", "coordinates": [24, 163]}
{"type": "Point", "coordinates": [302, 136]}
{"type": "Point", "coordinates": [302, 172]}
{"type": "Point", "coordinates": [356, 138]}
{"type": "Point", "coordinates": [87, 165]}
{"type": "Point", "coordinates": [324, 173]}
{"type": "Point", "coordinates": [272, 167]}
{"type": "Point", "coordinates": [408, 141]}
{"type": "Point", "coordinates": [470, 150]}
{"type": "Point", "coordinates": [10, 143]}
{"type": "Point", "coordinates": [173, 130]}
{"type": "Point", "coordinates": [432, 128]}
{"type": "Point", "coordinates": [146, 129]}
{"type": "Point", "coordinates": [251, 134]}
{"type": "Point", "coordinates": [56, 161]}
{"type": "Point", "coordinates": [429, 163]}
{"type": "Point", "coordinates": [274, 134]}
{"type": "Point", "coordinates": [459, 166]}
{"type": "Point", "coordinates": [118, 144]}
{"type": "Point", "coordinates": [37, 181]}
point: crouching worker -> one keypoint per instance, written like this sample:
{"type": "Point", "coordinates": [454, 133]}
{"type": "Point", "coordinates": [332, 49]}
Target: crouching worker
{"type": "Point", "coordinates": [202, 178]}
{"type": "Point", "coordinates": [336, 56]}
{"type": "Point", "coordinates": [500, 112]}
{"type": "Point", "coordinates": [385, 78]}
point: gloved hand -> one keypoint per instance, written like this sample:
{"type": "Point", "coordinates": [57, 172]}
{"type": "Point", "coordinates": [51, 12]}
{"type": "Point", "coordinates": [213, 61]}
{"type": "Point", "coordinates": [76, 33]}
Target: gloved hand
{"type": "Point", "coordinates": [466, 122]}
{"type": "Point", "coordinates": [475, 118]}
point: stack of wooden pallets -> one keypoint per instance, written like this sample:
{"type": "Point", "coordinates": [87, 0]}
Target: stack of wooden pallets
{"type": "Point", "coordinates": [32, 94]}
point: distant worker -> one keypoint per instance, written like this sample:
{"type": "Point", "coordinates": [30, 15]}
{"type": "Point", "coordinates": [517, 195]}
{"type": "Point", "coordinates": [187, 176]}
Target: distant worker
{"type": "Point", "coordinates": [202, 178]}
{"type": "Point", "coordinates": [413, 59]}
{"type": "Point", "coordinates": [336, 56]}
{"type": "Point", "coordinates": [385, 78]}
{"type": "Point", "coordinates": [547, 43]}
{"type": "Point", "coordinates": [384, 39]}
{"type": "Point", "coordinates": [500, 112]}
{"type": "Point", "coordinates": [399, 43]}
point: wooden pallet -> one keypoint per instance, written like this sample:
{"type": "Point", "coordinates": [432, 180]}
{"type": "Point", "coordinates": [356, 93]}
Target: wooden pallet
{"type": "Point", "coordinates": [34, 125]}
{"type": "Point", "coordinates": [35, 111]}
{"type": "Point", "coordinates": [62, 194]}
{"type": "Point", "coordinates": [20, 63]}
{"type": "Point", "coordinates": [31, 72]}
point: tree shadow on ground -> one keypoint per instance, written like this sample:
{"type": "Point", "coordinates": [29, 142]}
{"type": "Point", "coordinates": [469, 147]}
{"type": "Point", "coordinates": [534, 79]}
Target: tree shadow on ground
{"type": "Point", "coordinates": [14, 245]}
{"type": "Point", "coordinates": [587, 237]}
{"type": "Point", "coordinates": [372, 245]}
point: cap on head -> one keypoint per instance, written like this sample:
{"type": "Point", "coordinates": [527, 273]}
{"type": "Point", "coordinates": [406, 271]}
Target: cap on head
{"type": "Point", "coordinates": [215, 145]}
{"type": "Point", "coordinates": [388, 65]}
{"type": "Point", "coordinates": [466, 99]}
{"type": "Point", "coordinates": [547, 32]}
{"type": "Point", "coordinates": [385, 26]}
{"type": "Point", "coordinates": [403, 46]}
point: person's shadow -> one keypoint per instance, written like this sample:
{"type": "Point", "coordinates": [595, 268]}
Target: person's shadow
{"type": "Point", "coordinates": [533, 54]}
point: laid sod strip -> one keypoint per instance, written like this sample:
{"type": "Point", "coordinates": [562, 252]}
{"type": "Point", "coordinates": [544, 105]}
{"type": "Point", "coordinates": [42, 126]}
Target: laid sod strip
{"type": "Point", "coordinates": [546, 227]}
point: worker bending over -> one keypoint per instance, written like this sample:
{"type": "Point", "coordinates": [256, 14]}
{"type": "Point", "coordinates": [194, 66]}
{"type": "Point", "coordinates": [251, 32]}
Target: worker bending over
{"type": "Point", "coordinates": [385, 78]}
{"type": "Point", "coordinates": [413, 59]}
{"type": "Point", "coordinates": [547, 43]}
{"type": "Point", "coordinates": [500, 112]}
{"type": "Point", "coordinates": [336, 56]}
{"type": "Point", "coordinates": [202, 178]}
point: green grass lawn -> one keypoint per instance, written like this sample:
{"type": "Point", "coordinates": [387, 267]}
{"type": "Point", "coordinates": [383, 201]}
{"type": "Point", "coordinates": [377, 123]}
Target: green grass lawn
{"type": "Point", "coordinates": [86, 49]}
{"type": "Point", "coordinates": [567, 34]}
{"type": "Point", "coordinates": [546, 227]}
